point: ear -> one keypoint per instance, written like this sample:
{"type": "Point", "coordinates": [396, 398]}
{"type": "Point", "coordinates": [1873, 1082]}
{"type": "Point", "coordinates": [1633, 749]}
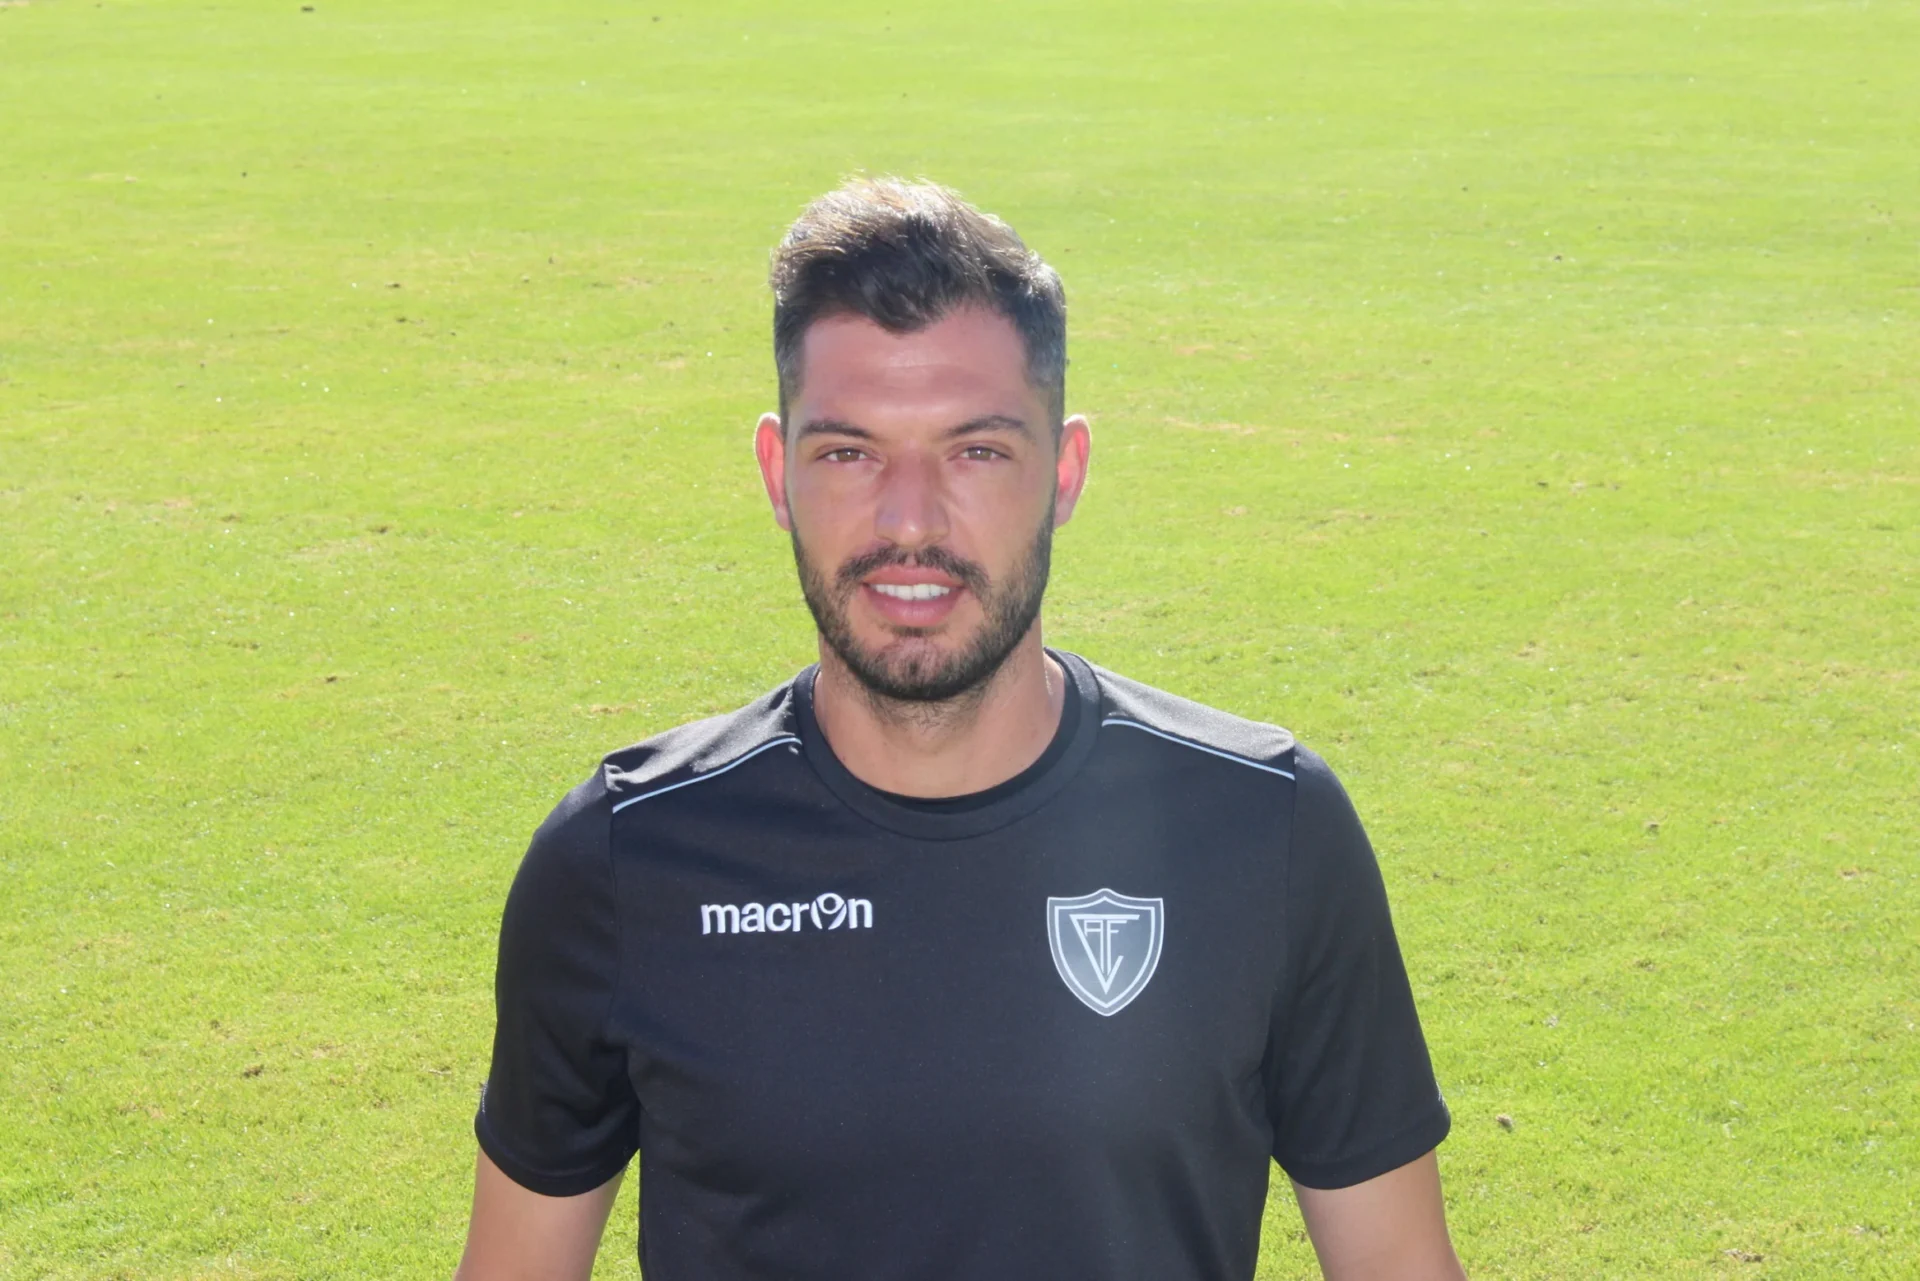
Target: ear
{"type": "Point", "coordinates": [770, 448]}
{"type": "Point", "coordinates": [1070, 467]}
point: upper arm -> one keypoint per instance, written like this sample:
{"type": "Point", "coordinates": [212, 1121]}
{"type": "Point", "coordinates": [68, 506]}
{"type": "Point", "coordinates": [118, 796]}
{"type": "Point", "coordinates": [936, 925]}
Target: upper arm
{"type": "Point", "coordinates": [557, 1121]}
{"type": "Point", "coordinates": [1392, 1227]}
{"type": "Point", "coordinates": [1350, 1088]}
{"type": "Point", "coordinates": [517, 1234]}
{"type": "Point", "coordinates": [559, 1114]}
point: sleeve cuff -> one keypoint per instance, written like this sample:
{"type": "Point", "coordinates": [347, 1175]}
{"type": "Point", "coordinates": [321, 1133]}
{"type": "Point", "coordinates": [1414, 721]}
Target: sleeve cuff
{"type": "Point", "coordinates": [544, 1182]}
{"type": "Point", "coordinates": [1415, 1141]}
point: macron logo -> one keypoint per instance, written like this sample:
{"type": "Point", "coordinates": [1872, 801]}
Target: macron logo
{"type": "Point", "coordinates": [828, 912]}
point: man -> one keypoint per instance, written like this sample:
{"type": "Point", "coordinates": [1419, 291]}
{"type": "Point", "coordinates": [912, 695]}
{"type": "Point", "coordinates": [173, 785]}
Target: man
{"type": "Point", "coordinates": [954, 956]}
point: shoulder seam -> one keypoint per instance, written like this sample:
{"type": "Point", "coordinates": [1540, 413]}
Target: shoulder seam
{"type": "Point", "coordinates": [619, 932]}
{"type": "Point", "coordinates": [1198, 747]}
{"type": "Point", "coordinates": [745, 756]}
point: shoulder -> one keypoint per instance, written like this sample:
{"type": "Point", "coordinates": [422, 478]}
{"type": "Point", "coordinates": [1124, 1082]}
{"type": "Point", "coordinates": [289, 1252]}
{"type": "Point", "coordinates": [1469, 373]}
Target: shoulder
{"type": "Point", "coordinates": [565, 867]}
{"type": "Point", "coordinates": [1317, 781]}
{"type": "Point", "coordinates": [1180, 724]}
{"type": "Point", "coordinates": [565, 881]}
{"type": "Point", "coordinates": [571, 844]}
{"type": "Point", "coordinates": [696, 751]}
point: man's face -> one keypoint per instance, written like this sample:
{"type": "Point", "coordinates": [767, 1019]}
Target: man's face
{"type": "Point", "coordinates": [921, 480]}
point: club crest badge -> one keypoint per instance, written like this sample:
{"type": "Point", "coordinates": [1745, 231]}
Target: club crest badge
{"type": "Point", "coordinates": [1105, 946]}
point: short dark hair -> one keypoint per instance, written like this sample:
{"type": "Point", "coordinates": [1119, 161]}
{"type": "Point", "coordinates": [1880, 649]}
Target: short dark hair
{"type": "Point", "coordinates": [905, 255]}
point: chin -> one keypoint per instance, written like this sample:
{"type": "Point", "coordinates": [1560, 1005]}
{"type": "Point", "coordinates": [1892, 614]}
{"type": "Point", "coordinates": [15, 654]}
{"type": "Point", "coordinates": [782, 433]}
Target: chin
{"type": "Point", "coordinates": [913, 656]}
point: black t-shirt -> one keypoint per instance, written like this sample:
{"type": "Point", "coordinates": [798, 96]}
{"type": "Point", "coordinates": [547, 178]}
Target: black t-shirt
{"type": "Point", "coordinates": [1053, 1030]}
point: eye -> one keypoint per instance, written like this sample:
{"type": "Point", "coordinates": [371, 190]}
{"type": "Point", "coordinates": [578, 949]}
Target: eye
{"type": "Point", "coordinates": [844, 454]}
{"type": "Point", "coordinates": [981, 453]}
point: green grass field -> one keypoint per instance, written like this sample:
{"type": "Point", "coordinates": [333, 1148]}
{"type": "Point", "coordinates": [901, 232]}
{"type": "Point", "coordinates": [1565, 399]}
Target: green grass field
{"type": "Point", "coordinates": [1519, 401]}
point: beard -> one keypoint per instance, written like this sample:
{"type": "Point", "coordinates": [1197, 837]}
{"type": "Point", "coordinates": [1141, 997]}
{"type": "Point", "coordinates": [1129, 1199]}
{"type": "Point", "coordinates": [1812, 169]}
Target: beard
{"type": "Point", "coordinates": [914, 669]}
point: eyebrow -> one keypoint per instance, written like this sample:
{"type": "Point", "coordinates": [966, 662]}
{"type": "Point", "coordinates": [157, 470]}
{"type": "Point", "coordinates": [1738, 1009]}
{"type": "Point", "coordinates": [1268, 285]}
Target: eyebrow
{"type": "Point", "coordinates": [986, 422]}
{"type": "Point", "coordinates": [831, 427]}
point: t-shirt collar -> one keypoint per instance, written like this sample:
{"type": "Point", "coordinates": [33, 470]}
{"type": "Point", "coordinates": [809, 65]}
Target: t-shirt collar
{"type": "Point", "coordinates": [999, 805]}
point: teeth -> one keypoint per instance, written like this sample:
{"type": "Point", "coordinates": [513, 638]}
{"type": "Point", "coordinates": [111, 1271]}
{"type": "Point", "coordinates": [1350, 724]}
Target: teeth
{"type": "Point", "coordinates": [912, 591]}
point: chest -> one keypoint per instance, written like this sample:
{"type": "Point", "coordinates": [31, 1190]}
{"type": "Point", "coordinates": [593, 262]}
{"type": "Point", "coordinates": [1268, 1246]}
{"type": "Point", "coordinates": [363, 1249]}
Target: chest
{"type": "Point", "coordinates": [835, 997]}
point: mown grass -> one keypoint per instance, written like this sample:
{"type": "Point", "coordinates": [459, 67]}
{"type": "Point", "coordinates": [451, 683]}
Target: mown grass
{"type": "Point", "coordinates": [1518, 401]}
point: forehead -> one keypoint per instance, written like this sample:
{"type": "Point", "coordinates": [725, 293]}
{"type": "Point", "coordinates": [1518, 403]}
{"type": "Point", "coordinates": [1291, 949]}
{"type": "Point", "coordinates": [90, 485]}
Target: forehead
{"type": "Point", "coordinates": [967, 363]}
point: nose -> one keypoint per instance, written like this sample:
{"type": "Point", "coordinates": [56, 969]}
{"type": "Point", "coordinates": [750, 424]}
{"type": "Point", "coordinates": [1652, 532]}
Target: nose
{"type": "Point", "coordinates": [912, 511]}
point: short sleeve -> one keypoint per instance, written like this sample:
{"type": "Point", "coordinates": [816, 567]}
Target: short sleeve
{"type": "Point", "coordinates": [558, 1114]}
{"type": "Point", "coordinates": [1350, 1087]}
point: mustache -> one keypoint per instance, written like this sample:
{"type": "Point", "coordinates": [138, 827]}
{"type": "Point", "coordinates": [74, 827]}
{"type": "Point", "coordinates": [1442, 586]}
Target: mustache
{"type": "Point", "coordinates": [935, 558]}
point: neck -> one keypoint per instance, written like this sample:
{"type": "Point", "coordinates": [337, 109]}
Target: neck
{"type": "Point", "coordinates": [967, 744]}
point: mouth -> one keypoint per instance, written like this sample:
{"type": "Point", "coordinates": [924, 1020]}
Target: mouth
{"type": "Point", "coordinates": [912, 599]}
{"type": "Point", "coordinates": [912, 591]}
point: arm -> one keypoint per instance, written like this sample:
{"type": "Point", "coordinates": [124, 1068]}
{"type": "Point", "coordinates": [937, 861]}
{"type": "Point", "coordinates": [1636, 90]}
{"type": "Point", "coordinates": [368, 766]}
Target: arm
{"type": "Point", "coordinates": [1390, 1228]}
{"type": "Point", "coordinates": [1357, 1110]}
{"type": "Point", "coordinates": [558, 1121]}
{"type": "Point", "coordinates": [518, 1235]}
